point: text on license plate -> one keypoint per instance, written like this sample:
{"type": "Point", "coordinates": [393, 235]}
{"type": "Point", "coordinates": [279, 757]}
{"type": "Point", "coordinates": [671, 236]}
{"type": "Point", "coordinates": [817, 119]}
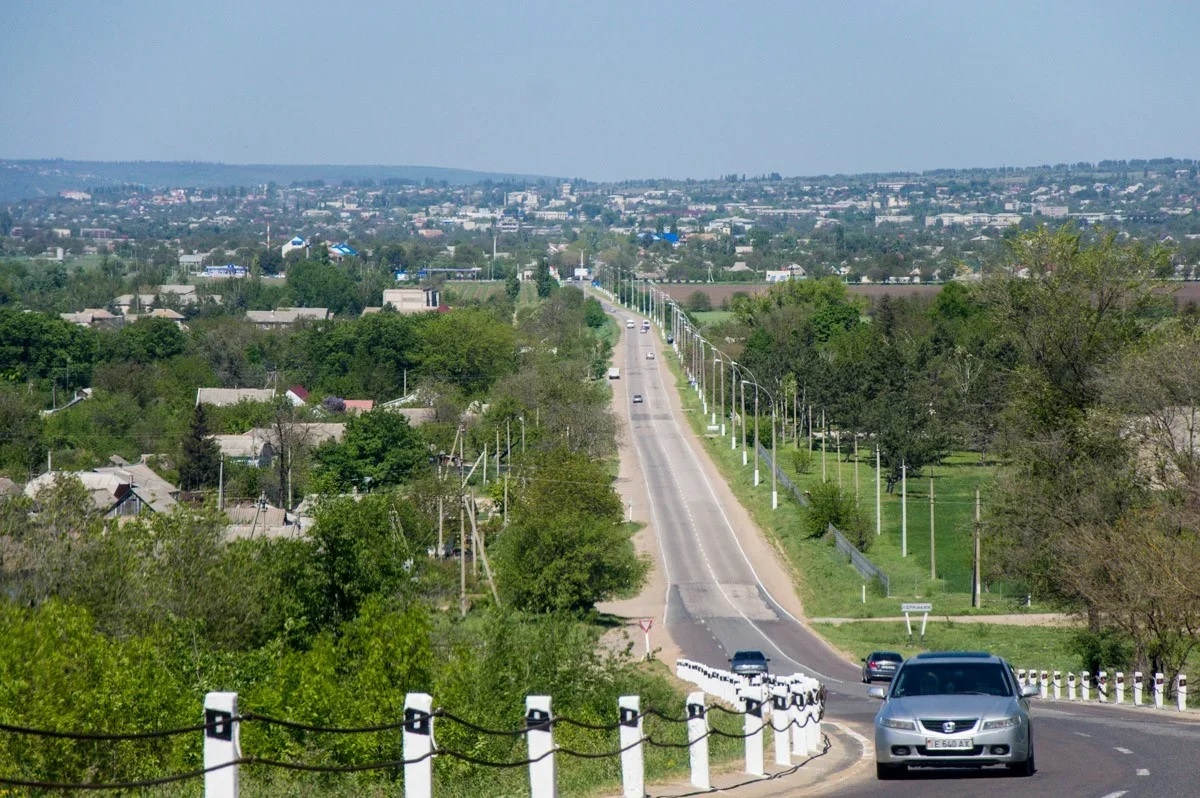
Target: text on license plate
{"type": "Point", "coordinates": [953, 744]}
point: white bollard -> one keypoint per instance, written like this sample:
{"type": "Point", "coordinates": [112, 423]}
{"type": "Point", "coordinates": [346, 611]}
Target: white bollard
{"type": "Point", "coordinates": [1158, 691]}
{"type": "Point", "coordinates": [1137, 688]}
{"type": "Point", "coordinates": [752, 701]}
{"type": "Point", "coordinates": [781, 723]}
{"type": "Point", "coordinates": [815, 708]}
{"type": "Point", "coordinates": [1021, 676]}
{"type": "Point", "coordinates": [222, 745]}
{"type": "Point", "coordinates": [798, 713]}
{"type": "Point", "coordinates": [1070, 685]}
{"type": "Point", "coordinates": [1102, 686]}
{"type": "Point", "coordinates": [1181, 692]}
{"type": "Point", "coordinates": [539, 737]}
{"type": "Point", "coordinates": [697, 724]}
{"type": "Point", "coordinates": [1057, 685]}
{"type": "Point", "coordinates": [1120, 687]}
{"type": "Point", "coordinates": [417, 744]}
{"type": "Point", "coordinates": [1044, 684]}
{"type": "Point", "coordinates": [633, 765]}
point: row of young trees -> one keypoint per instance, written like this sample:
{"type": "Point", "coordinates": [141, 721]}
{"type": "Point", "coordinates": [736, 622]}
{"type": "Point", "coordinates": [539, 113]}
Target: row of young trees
{"type": "Point", "coordinates": [1072, 368]}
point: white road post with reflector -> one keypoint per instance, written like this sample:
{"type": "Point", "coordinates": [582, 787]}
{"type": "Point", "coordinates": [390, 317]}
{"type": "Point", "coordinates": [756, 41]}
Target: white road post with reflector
{"type": "Point", "coordinates": [646, 623]}
{"type": "Point", "coordinates": [1158, 691]}
{"type": "Point", "coordinates": [924, 609]}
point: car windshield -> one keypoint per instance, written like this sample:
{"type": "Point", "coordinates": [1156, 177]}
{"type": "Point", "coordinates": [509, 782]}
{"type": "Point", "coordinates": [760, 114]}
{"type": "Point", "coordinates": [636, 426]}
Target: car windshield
{"type": "Point", "coordinates": [748, 655]}
{"type": "Point", "coordinates": [951, 678]}
{"type": "Point", "coordinates": [889, 656]}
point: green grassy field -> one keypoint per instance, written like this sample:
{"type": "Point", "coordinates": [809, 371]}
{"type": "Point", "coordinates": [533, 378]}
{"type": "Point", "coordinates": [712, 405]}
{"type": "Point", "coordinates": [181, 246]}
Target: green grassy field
{"type": "Point", "coordinates": [480, 290]}
{"type": "Point", "coordinates": [955, 481]}
{"type": "Point", "coordinates": [710, 317]}
{"type": "Point", "coordinates": [828, 585]}
{"type": "Point", "coordinates": [1039, 647]}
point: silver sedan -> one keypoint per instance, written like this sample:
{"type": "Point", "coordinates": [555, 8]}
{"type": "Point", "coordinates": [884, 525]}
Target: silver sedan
{"type": "Point", "coordinates": [953, 709]}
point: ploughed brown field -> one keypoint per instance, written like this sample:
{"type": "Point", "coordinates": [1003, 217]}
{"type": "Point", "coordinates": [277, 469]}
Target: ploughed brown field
{"type": "Point", "coordinates": [1185, 292]}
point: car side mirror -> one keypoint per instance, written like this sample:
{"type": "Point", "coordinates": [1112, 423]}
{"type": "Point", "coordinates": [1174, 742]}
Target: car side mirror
{"type": "Point", "coordinates": [1030, 691]}
{"type": "Point", "coordinates": [864, 659]}
{"type": "Point", "coordinates": [877, 692]}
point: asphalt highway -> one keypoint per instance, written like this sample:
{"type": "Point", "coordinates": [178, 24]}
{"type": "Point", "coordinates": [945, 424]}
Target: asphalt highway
{"type": "Point", "coordinates": [716, 603]}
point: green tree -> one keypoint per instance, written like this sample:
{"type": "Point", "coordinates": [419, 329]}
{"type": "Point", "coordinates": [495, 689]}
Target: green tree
{"type": "Point", "coordinates": [36, 345]}
{"type": "Point", "coordinates": [545, 283]}
{"type": "Point", "coordinates": [147, 340]}
{"type": "Point", "coordinates": [468, 347]}
{"type": "Point", "coordinates": [200, 458]}
{"type": "Point", "coordinates": [564, 563]}
{"type": "Point", "coordinates": [317, 284]}
{"type": "Point", "coordinates": [379, 450]}
{"type": "Point", "coordinates": [21, 448]}
{"type": "Point", "coordinates": [699, 302]}
{"type": "Point", "coordinates": [566, 548]}
{"type": "Point", "coordinates": [1080, 307]}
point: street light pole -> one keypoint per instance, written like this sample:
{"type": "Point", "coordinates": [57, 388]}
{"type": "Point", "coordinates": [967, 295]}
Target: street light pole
{"type": "Point", "coordinates": [713, 418]}
{"type": "Point", "coordinates": [742, 418]}
{"type": "Point", "coordinates": [774, 458]}
{"type": "Point", "coordinates": [722, 362]}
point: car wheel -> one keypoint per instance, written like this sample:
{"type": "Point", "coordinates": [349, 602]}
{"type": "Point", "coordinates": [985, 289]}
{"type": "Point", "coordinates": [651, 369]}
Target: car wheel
{"type": "Point", "coordinates": [887, 772]}
{"type": "Point", "coordinates": [1026, 768]}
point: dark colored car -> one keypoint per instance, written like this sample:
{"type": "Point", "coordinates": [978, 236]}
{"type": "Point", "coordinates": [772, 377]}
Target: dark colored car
{"type": "Point", "coordinates": [749, 663]}
{"type": "Point", "coordinates": [880, 666]}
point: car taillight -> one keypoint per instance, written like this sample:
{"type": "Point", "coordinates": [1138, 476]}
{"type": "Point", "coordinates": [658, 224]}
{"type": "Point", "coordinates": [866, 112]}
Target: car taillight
{"type": "Point", "coordinates": [872, 665]}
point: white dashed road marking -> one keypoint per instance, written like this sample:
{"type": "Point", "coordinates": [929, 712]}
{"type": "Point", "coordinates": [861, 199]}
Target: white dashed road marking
{"type": "Point", "coordinates": [1143, 771]}
{"type": "Point", "coordinates": [1122, 750]}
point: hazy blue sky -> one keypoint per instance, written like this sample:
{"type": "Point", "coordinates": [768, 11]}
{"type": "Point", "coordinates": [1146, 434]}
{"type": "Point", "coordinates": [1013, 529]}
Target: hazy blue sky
{"type": "Point", "coordinates": [602, 89]}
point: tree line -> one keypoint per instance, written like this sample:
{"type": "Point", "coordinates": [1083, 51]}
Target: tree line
{"type": "Point", "coordinates": [1073, 368]}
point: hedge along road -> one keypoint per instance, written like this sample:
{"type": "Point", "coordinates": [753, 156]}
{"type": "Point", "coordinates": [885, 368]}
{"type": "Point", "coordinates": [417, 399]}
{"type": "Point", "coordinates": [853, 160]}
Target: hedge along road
{"type": "Point", "coordinates": [723, 589]}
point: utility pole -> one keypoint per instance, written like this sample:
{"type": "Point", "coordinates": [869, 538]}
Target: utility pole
{"type": "Point", "coordinates": [722, 398]}
{"type": "Point", "coordinates": [932, 537]}
{"type": "Point", "coordinates": [856, 494]}
{"type": "Point", "coordinates": [878, 517]}
{"type": "Point", "coordinates": [903, 510]}
{"type": "Point", "coordinates": [221, 486]}
{"type": "Point", "coordinates": [755, 434]}
{"type": "Point", "coordinates": [976, 587]}
{"type": "Point", "coordinates": [824, 445]}
{"type": "Point", "coordinates": [838, 456]}
{"type": "Point", "coordinates": [462, 559]}
{"type": "Point", "coordinates": [742, 419]}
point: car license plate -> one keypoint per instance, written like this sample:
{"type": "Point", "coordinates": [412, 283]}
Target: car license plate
{"type": "Point", "coordinates": [949, 744]}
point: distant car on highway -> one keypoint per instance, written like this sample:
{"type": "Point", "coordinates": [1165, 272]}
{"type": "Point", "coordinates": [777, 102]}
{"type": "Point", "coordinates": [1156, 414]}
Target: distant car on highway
{"type": "Point", "coordinates": [749, 663]}
{"type": "Point", "coordinates": [958, 709]}
{"type": "Point", "coordinates": [880, 666]}
{"type": "Point", "coordinates": [637, 398]}
{"type": "Point", "coordinates": [629, 325]}
{"type": "Point", "coordinates": [650, 355]}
